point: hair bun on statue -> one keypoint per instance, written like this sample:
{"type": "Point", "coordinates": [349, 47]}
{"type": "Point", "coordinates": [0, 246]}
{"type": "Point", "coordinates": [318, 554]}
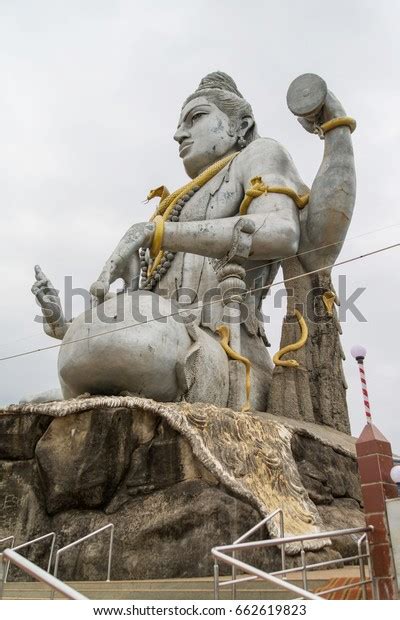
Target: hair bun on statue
{"type": "Point", "coordinates": [220, 80]}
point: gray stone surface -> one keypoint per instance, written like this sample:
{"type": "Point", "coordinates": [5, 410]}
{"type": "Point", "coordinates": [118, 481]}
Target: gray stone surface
{"type": "Point", "coordinates": [340, 441]}
{"type": "Point", "coordinates": [325, 472]}
{"type": "Point", "coordinates": [168, 533]}
{"type": "Point", "coordinates": [22, 510]}
{"type": "Point", "coordinates": [332, 481]}
{"type": "Point", "coordinates": [82, 458]}
{"type": "Point", "coordinates": [132, 469]}
{"type": "Point", "coordinates": [19, 435]}
{"type": "Point", "coordinates": [343, 513]}
{"type": "Point", "coordinates": [316, 389]}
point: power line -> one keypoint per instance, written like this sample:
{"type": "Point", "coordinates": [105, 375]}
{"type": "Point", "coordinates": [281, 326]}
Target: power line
{"type": "Point", "coordinates": [203, 305]}
{"type": "Point", "coordinates": [322, 247]}
{"type": "Point", "coordinates": [274, 262]}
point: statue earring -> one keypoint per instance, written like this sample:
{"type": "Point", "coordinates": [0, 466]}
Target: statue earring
{"type": "Point", "coordinates": [241, 142]}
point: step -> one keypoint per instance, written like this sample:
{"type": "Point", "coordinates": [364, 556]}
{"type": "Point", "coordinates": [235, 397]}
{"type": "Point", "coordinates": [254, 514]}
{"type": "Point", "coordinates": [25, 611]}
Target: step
{"type": "Point", "coordinates": [172, 589]}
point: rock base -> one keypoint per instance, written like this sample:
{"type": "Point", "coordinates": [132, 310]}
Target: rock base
{"type": "Point", "coordinates": [169, 506]}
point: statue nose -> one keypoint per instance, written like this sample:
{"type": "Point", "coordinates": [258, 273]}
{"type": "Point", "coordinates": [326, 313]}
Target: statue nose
{"type": "Point", "coordinates": [181, 134]}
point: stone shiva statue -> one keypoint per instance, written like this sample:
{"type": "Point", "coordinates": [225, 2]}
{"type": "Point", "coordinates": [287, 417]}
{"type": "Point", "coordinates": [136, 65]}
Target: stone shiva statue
{"type": "Point", "coordinates": [187, 325]}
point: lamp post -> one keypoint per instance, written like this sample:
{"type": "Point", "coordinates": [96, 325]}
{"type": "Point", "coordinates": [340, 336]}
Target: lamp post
{"type": "Point", "coordinates": [375, 462]}
{"type": "Point", "coordinates": [359, 353]}
{"type": "Point", "coordinates": [395, 476]}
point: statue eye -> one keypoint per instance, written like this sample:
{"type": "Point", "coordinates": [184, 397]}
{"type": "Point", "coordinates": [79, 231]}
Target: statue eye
{"type": "Point", "coordinates": [196, 116]}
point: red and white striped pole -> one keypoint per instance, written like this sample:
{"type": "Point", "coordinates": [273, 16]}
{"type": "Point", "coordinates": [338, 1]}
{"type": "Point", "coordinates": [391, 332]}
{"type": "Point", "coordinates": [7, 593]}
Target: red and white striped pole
{"type": "Point", "coordinates": [375, 463]}
{"type": "Point", "coordinates": [359, 353]}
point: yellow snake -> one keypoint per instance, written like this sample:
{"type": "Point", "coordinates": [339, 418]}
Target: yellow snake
{"type": "Point", "coordinates": [329, 299]}
{"type": "Point", "coordinates": [292, 347]}
{"type": "Point", "coordinates": [224, 332]}
{"type": "Point", "coordinates": [258, 188]}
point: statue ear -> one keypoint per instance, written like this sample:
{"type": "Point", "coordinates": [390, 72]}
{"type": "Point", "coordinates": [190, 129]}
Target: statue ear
{"type": "Point", "coordinates": [246, 123]}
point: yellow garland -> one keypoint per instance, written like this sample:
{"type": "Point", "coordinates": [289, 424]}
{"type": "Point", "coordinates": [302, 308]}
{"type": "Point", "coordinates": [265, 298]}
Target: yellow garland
{"type": "Point", "coordinates": [224, 333]}
{"type": "Point", "coordinates": [258, 188]}
{"type": "Point", "coordinates": [168, 201]}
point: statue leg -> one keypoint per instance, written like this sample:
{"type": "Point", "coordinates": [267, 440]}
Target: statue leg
{"type": "Point", "coordinates": [119, 346]}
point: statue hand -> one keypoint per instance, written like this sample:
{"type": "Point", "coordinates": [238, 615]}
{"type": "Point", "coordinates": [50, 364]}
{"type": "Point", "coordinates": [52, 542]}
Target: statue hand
{"type": "Point", "coordinates": [332, 108]}
{"type": "Point", "coordinates": [309, 99]}
{"type": "Point", "coordinates": [47, 296]}
{"type": "Point", "coordinates": [124, 261]}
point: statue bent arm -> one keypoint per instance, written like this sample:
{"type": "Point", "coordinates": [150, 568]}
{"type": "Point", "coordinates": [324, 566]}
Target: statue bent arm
{"type": "Point", "coordinates": [274, 216]}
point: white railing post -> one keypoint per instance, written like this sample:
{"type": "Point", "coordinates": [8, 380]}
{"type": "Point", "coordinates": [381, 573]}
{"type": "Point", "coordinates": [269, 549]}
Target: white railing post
{"type": "Point", "coordinates": [304, 567]}
{"type": "Point", "coordinates": [282, 535]}
{"type": "Point", "coordinates": [41, 575]}
{"type": "Point", "coordinates": [223, 554]}
{"type": "Point", "coordinates": [216, 581]}
{"type": "Point", "coordinates": [29, 543]}
{"type": "Point", "coordinates": [233, 578]}
{"type": "Point", "coordinates": [375, 594]}
{"type": "Point", "coordinates": [109, 526]}
{"type": "Point", "coordinates": [3, 570]}
{"type": "Point", "coordinates": [7, 568]}
{"type": "Point", "coordinates": [361, 564]}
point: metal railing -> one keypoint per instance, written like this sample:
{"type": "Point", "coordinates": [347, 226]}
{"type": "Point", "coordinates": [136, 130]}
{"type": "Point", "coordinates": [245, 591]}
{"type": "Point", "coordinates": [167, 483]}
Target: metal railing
{"type": "Point", "coordinates": [4, 571]}
{"type": "Point", "coordinates": [59, 553]}
{"type": "Point", "coordinates": [10, 555]}
{"type": "Point", "coordinates": [221, 554]}
{"type": "Point", "coordinates": [29, 543]}
{"type": "Point", "coordinates": [245, 536]}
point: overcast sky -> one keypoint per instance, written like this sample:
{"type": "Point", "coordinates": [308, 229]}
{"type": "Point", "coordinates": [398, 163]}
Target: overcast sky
{"type": "Point", "coordinates": [90, 96]}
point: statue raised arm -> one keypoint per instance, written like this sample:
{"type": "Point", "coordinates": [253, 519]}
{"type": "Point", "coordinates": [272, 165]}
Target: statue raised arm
{"type": "Point", "coordinates": [325, 220]}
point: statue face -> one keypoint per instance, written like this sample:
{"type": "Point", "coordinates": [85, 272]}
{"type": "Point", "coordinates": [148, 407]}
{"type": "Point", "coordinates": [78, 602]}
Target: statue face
{"type": "Point", "coordinates": [204, 135]}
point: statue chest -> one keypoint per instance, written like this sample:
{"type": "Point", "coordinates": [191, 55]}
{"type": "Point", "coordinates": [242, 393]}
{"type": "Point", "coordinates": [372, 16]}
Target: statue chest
{"type": "Point", "coordinates": [219, 198]}
{"type": "Point", "coordinates": [191, 274]}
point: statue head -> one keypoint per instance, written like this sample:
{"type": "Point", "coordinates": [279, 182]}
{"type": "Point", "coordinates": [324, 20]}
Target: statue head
{"type": "Point", "coordinates": [215, 121]}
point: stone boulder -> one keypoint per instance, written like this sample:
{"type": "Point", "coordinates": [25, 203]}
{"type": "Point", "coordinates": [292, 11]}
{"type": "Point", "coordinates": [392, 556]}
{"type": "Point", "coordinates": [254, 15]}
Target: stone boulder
{"type": "Point", "coordinates": [327, 472]}
{"type": "Point", "coordinates": [175, 480]}
{"type": "Point", "coordinates": [19, 435]}
{"type": "Point", "coordinates": [22, 510]}
{"type": "Point", "coordinates": [82, 458]}
{"type": "Point", "coordinates": [165, 534]}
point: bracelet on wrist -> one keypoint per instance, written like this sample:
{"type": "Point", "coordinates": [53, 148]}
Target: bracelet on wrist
{"type": "Point", "coordinates": [342, 121]}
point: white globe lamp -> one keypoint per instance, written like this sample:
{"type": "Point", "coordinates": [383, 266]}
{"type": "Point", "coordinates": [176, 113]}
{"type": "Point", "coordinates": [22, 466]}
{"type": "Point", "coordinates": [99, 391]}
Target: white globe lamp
{"type": "Point", "coordinates": [395, 474]}
{"type": "Point", "coordinates": [358, 351]}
